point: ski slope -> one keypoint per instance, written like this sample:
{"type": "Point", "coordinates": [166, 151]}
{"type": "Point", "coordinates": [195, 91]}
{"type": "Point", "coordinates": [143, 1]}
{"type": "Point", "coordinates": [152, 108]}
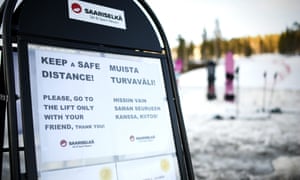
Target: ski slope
{"type": "Point", "coordinates": [246, 143]}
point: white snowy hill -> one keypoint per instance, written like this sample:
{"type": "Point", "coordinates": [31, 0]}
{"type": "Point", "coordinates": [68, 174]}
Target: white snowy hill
{"type": "Point", "coordinates": [255, 144]}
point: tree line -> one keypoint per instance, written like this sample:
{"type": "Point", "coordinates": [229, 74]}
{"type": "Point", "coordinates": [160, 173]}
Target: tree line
{"type": "Point", "coordinates": [287, 42]}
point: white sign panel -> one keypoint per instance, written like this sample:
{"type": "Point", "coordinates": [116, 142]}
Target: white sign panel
{"type": "Point", "coordinates": [97, 14]}
{"type": "Point", "coordinates": [95, 108]}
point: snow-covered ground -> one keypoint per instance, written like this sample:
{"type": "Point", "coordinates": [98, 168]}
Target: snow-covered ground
{"type": "Point", "coordinates": [255, 144]}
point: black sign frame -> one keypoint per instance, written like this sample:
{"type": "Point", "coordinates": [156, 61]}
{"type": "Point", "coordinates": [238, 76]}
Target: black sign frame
{"type": "Point", "coordinates": [25, 36]}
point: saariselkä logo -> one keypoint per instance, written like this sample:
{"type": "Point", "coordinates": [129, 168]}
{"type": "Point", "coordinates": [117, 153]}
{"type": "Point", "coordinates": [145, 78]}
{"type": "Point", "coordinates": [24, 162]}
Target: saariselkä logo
{"type": "Point", "coordinates": [77, 8]}
{"type": "Point", "coordinates": [133, 138]}
{"type": "Point", "coordinates": [76, 143]}
{"type": "Point", "coordinates": [97, 14]}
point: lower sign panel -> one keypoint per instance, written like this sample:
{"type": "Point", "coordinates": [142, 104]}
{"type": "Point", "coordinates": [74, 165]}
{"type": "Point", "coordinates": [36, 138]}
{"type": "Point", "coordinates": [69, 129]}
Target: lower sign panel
{"type": "Point", "coordinates": [162, 167]}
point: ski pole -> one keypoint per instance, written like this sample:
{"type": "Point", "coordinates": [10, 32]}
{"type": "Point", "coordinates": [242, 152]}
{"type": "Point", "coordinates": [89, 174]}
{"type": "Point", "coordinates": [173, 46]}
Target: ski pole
{"type": "Point", "coordinates": [237, 91]}
{"type": "Point", "coordinates": [272, 89]}
{"type": "Point", "coordinates": [264, 91]}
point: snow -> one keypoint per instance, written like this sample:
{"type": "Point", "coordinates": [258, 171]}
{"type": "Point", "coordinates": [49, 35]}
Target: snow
{"type": "Point", "coordinates": [248, 143]}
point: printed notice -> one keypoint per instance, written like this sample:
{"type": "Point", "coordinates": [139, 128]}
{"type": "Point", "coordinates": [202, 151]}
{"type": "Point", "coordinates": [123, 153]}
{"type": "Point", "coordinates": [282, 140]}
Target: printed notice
{"type": "Point", "coordinates": [70, 107]}
{"type": "Point", "coordinates": [139, 107]}
{"type": "Point", "coordinates": [89, 105]}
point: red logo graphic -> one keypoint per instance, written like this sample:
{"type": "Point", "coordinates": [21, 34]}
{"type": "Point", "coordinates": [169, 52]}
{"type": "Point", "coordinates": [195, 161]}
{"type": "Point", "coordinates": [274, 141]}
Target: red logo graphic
{"type": "Point", "coordinates": [132, 138]}
{"type": "Point", "coordinates": [63, 143]}
{"type": "Point", "coordinates": [76, 8]}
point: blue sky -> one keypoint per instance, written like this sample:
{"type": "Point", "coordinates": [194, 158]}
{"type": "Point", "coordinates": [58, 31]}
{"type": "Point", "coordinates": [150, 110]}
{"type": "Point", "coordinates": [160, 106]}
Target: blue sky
{"type": "Point", "coordinates": [236, 17]}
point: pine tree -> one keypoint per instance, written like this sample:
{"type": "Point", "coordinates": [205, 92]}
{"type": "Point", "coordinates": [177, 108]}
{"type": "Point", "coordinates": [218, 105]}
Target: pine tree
{"type": "Point", "coordinates": [190, 51]}
{"type": "Point", "coordinates": [181, 52]}
{"type": "Point", "coordinates": [204, 47]}
{"type": "Point", "coordinates": [217, 48]}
